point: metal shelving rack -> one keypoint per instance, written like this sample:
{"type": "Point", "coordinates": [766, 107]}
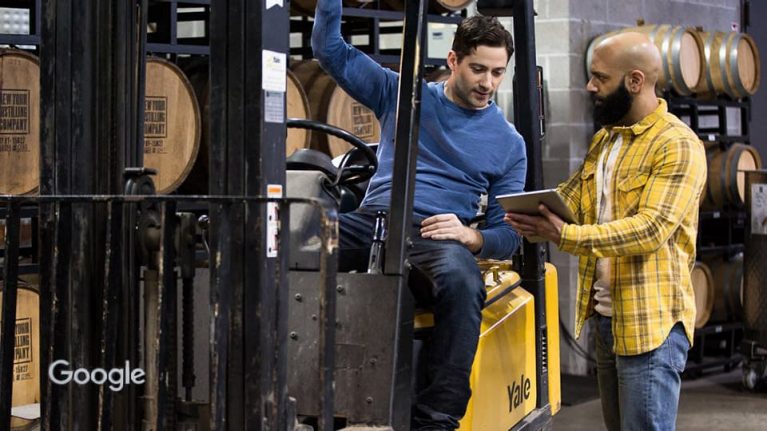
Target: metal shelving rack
{"type": "Point", "coordinates": [164, 17]}
{"type": "Point", "coordinates": [716, 346]}
{"type": "Point", "coordinates": [721, 231]}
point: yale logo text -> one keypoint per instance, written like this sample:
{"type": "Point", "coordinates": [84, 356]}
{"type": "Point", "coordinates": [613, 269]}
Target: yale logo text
{"type": "Point", "coordinates": [518, 392]}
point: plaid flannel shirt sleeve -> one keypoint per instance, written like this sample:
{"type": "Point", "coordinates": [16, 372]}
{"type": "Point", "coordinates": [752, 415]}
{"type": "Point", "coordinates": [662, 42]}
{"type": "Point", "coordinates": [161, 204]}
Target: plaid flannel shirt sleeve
{"type": "Point", "coordinates": [672, 188]}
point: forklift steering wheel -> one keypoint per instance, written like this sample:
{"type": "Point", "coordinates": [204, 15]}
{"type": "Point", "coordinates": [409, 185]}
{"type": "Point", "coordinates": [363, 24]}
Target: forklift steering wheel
{"type": "Point", "coordinates": [352, 174]}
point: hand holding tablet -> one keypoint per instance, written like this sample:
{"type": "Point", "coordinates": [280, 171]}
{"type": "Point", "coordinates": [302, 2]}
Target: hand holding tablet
{"type": "Point", "coordinates": [528, 203]}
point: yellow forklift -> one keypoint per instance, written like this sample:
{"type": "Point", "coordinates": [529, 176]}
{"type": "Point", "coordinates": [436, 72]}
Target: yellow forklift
{"type": "Point", "coordinates": [293, 343]}
{"type": "Point", "coordinates": [364, 334]}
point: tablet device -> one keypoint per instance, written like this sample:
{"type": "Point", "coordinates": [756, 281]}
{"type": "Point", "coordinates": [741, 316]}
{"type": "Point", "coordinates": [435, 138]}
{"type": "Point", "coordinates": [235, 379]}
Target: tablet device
{"type": "Point", "coordinates": [527, 203]}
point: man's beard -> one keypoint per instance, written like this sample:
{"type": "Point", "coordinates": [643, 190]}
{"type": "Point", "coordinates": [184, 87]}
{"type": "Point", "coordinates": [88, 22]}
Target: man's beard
{"type": "Point", "coordinates": [614, 106]}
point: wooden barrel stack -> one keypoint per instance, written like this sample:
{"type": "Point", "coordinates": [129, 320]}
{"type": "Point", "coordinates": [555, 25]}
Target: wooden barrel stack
{"type": "Point", "coordinates": [19, 122]}
{"type": "Point", "coordinates": [707, 64]}
{"type": "Point", "coordinates": [330, 104]}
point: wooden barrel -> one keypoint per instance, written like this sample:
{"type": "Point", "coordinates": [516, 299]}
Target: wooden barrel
{"type": "Point", "coordinates": [199, 76]}
{"type": "Point", "coordinates": [19, 122]}
{"type": "Point", "coordinates": [728, 289]}
{"type": "Point", "coordinates": [703, 288]}
{"type": "Point", "coordinates": [171, 124]}
{"type": "Point", "coordinates": [298, 107]}
{"type": "Point", "coordinates": [330, 104]}
{"type": "Point", "coordinates": [726, 183]}
{"type": "Point", "coordinates": [732, 65]}
{"type": "Point", "coordinates": [26, 363]}
{"type": "Point", "coordinates": [681, 52]}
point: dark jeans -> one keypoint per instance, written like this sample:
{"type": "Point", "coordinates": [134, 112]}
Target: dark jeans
{"type": "Point", "coordinates": [640, 392]}
{"type": "Point", "coordinates": [458, 297]}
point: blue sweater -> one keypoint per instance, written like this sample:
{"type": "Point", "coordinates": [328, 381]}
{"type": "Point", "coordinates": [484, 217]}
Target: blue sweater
{"type": "Point", "coordinates": [462, 152]}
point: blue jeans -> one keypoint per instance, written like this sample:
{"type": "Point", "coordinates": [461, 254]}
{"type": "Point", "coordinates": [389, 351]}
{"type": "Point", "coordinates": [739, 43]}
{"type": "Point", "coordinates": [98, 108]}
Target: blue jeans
{"type": "Point", "coordinates": [457, 300]}
{"type": "Point", "coordinates": [640, 392]}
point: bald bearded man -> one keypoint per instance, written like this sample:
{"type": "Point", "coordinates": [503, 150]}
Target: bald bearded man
{"type": "Point", "coordinates": [636, 201]}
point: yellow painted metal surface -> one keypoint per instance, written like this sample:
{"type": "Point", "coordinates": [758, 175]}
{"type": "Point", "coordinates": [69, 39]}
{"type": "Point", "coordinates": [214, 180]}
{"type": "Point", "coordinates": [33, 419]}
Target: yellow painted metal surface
{"type": "Point", "coordinates": [552, 330]}
{"type": "Point", "coordinates": [503, 375]}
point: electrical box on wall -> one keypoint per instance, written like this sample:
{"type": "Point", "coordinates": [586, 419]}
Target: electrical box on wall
{"type": "Point", "coordinates": [440, 39]}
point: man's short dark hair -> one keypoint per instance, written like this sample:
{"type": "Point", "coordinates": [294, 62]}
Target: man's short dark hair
{"type": "Point", "coordinates": [481, 30]}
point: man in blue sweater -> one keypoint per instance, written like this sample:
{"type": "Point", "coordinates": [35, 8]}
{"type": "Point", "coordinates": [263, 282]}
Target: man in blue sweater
{"type": "Point", "coordinates": [466, 148]}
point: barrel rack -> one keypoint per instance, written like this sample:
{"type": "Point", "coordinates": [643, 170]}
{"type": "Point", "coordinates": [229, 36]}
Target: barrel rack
{"type": "Point", "coordinates": [721, 231]}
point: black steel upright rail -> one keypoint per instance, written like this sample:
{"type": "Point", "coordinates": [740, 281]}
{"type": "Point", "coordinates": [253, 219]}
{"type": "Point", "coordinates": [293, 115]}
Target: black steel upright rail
{"type": "Point", "coordinates": [248, 51]}
{"type": "Point", "coordinates": [406, 139]}
{"type": "Point", "coordinates": [89, 60]}
{"type": "Point", "coordinates": [527, 112]}
{"type": "Point", "coordinates": [8, 316]}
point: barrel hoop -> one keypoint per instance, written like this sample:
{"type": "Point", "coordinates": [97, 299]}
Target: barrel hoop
{"type": "Point", "coordinates": [723, 65]}
{"type": "Point", "coordinates": [707, 47]}
{"type": "Point", "coordinates": [665, 53]}
{"type": "Point", "coordinates": [739, 87]}
{"type": "Point", "coordinates": [677, 48]}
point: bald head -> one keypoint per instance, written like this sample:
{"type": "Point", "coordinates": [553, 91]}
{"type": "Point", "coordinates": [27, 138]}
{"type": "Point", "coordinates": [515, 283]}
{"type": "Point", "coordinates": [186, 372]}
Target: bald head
{"type": "Point", "coordinates": [624, 70]}
{"type": "Point", "coordinates": [631, 51]}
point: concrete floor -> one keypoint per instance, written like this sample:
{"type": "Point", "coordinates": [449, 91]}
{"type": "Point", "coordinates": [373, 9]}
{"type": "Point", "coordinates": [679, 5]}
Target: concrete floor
{"type": "Point", "coordinates": [711, 403]}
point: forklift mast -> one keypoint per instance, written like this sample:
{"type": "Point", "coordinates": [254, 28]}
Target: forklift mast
{"type": "Point", "coordinates": [527, 120]}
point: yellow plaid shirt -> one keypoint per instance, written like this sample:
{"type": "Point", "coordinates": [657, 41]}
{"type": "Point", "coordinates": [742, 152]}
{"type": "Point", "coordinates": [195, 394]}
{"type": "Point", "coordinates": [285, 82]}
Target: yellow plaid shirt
{"type": "Point", "coordinates": [658, 177]}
